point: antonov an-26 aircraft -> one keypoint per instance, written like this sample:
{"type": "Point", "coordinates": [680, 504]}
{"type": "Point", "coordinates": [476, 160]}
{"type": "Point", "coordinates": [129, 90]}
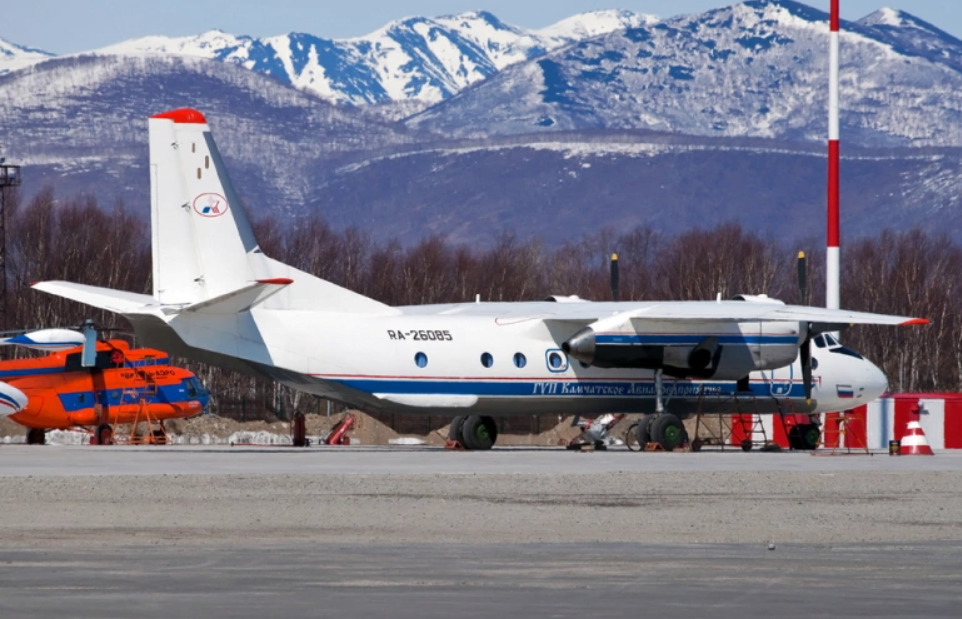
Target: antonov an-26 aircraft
{"type": "Point", "coordinates": [218, 298]}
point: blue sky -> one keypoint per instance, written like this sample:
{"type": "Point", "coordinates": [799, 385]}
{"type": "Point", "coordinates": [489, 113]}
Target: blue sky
{"type": "Point", "coordinates": [65, 26]}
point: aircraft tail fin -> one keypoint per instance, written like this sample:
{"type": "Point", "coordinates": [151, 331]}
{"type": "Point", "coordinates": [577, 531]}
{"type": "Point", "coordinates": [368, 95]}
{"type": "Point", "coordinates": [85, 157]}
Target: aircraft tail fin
{"type": "Point", "coordinates": [204, 250]}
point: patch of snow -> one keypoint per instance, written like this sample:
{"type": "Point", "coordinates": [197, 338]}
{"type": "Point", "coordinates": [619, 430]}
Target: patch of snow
{"type": "Point", "coordinates": [406, 440]}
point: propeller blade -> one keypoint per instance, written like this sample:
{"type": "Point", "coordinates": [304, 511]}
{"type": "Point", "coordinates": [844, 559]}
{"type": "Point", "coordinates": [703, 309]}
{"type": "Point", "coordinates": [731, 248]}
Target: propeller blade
{"type": "Point", "coordinates": [802, 279]}
{"type": "Point", "coordinates": [805, 351]}
{"type": "Point", "coordinates": [89, 357]}
{"type": "Point", "coordinates": [615, 290]}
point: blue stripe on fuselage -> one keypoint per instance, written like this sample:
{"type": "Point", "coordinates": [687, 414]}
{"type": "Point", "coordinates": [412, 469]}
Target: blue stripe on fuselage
{"type": "Point", "coordinates": [560, 388]}
{"type": "Point", "coordinates": [80, 400]}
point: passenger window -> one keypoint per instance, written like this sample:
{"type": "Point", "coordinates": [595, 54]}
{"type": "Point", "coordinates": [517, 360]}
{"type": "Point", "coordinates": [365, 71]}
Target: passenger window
{"type": "Point", "coordinates": [487, 360]}
{"type": "Point", "coordinates": [556, 360]}
{"type": "Point", "coordinates": [519, 360]}
{"type": "Point", "coordinates": [421, 360]}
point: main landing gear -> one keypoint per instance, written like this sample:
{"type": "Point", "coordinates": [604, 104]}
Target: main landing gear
{"type": "Point", "coordinates": [665, 429]}
{"type": "Point", "coordinates": [662, 428]}
{"type": "Point", "coordinates": [36, 436]}
{"type": "Point", "coordinates": [103, 435]}
{"type": "Point", "coordinates": [473, 432]}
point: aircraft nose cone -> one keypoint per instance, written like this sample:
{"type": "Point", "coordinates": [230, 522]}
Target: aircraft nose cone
{"type": "Point", "coordinates": [874, 382]}
{"type": "Point", "coordinates": [12, 400]}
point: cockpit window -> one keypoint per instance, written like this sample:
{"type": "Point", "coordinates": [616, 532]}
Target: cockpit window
{"type": "Point", "coordinates": [843, 350]}
{"type": "Point", "coordinates": [194, 388]}
{"type": "Point", "coordinates": [832, 342]}
{"type": "Point", "coordinates": [820, 341]}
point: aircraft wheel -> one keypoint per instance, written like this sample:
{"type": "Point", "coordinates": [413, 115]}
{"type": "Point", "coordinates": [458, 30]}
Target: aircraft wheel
{"type": "Point", "coordinates": [668, 430]}
{"type": "Point", "coordinates": [804, 436]}
{"type": "Point", "coordinates": [454, 431]}
{"type": "Point", "coordinates": [479, 432]}
{"type": "Point", "coordinates": [631, 438]}
{"type": "Point", "coordinates": [36, 436]}
{"type": "Point", "coordinates": [643, 431]}
{"type": "Point", "coordinates": [104, 434]}
{"type": "Point", "coordinates": [811, 434]}
{"type": "Point", "coordinates": [794, 437]}
{"type": "Point", "coordinates": [697, 444]}
{"type": "Point", "coordinates": [747, 444]}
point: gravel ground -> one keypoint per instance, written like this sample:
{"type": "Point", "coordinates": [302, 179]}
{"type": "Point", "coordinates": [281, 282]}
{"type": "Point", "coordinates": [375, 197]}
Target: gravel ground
{"type": "Point", "coordinates": [688, 507]}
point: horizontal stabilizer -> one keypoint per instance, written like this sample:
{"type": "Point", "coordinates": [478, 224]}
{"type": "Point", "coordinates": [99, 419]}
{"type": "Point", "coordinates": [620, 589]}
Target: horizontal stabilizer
{"type": "Point", "coordinates": [117, 301]}
{"type": "Point", "coordinates": [241, 299]}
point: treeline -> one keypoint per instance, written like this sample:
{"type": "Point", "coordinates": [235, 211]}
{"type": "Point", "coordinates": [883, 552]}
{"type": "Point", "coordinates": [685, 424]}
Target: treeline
{"type": "Point", "coordinates": [911, 273]}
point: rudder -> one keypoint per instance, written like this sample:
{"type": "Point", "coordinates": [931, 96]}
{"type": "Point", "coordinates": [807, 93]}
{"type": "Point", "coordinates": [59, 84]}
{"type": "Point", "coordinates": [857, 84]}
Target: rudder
{"type": "Point", "coordinates": [201, 238]}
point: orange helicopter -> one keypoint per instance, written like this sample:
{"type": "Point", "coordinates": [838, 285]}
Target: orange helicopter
{"type": "Point", "coordinates": [95, 384]}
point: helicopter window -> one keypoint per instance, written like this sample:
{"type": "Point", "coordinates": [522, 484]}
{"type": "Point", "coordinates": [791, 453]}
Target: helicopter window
{"type": "Point", "coordinates": [820, 341]}
{"type": "Point", "coordinates": [191, 384]}
{"type": "Point", "coordinates": [104, 361]}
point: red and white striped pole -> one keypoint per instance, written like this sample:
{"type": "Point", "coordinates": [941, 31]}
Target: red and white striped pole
{"type": "Point", "coordinates": [832, 258]}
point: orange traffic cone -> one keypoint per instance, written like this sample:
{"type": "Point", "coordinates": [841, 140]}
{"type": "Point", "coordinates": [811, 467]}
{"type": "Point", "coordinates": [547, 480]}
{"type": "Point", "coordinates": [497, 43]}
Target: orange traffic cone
{"type": "Point", "coordinates": [914, 443]}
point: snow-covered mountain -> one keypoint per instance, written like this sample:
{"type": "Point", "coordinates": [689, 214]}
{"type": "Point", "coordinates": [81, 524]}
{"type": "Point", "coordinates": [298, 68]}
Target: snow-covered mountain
{"type": "Point", "coordinates": [690, 121]}
{"type": "Point", "coordinates": [80, 124]}
{"type": "Point", "coordinates": [416, 58]}
{"type": "Point", "coordinates": [757, 69]}
{"type": "Point", "coordinates": [13, 56]}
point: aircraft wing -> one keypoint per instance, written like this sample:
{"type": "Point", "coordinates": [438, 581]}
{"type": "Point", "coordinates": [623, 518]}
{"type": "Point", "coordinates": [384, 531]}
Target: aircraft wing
{"type": "Point", "coordinates": [117, 301]}
{"type": "Point", "coordinates": [725, 311]}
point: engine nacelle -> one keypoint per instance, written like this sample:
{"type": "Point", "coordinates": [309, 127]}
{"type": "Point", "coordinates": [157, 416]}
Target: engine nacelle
{"type": "Point", "coordinates": [722, 350]}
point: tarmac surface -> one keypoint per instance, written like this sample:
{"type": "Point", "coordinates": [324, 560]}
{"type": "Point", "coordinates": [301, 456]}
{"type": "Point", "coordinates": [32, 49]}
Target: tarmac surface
{"type": "Point", "coordinates": [421, 532]}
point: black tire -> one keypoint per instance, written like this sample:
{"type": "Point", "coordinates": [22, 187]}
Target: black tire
{"type": "Point", "coordinates": [36, 436]}
{"type": "Point", "coordinates": [105, 434]}
{"type": "Point", "coordinates": [697, 444]}
{"type": "Point", "coordinates": [643, 431]}
{"type": "Point", "coordinates": [804, 436]}
{"type": "Point", "coordinates": [492, 428]}
{"type": "Point", "coordinates": [811, 435]}
{"type": "Point", "coordinates": [477, 433]}
{"type": "Point", "coordinates": [667, 430]}
{"type": "Point", "coordinates": [454, 431]}
{"type": "Point", "coordinates": [631, 438]}
{"type": "Point", "coordinates": [747, 444]}
{"type": "Point", "coordinates": [795, 437]}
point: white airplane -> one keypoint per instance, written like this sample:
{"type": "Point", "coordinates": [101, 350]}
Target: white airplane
{"type": "Point", "coordinates": [218, 298]}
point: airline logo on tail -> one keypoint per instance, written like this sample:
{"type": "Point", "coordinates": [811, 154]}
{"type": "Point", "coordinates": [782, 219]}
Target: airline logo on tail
{"type": "Point", "coordinates": [210, 205]}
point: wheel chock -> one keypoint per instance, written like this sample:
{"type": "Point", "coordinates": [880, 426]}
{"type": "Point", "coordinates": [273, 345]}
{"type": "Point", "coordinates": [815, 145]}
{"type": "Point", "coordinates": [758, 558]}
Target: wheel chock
{"type": "Point", "coordinates": [654, 447]}
{"type": "Point", "coordinates": [454, 445]}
